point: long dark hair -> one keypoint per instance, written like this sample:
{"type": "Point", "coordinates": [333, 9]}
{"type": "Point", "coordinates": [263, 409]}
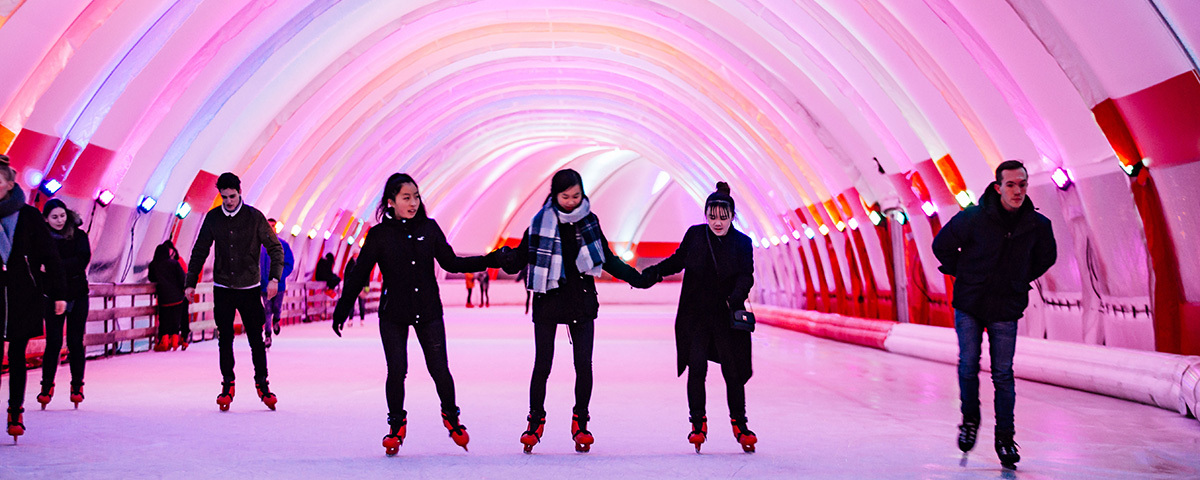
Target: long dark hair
{"type": "Point", "coordinates": [73, 221]}
{"type": "Point", "coordinates": [563, 180]}
{"type": "Point", "coordinates": [390, 190]}
{"type": "Point", "coordinates": [162, 253]}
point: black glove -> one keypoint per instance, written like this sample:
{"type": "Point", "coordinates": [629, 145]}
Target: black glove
{"type": "Point", "coordinates": [338, 322]}
{"type": "Point", "coordinates": [499, 257]}
{"type": "Point", "coordinates": [651, 276]}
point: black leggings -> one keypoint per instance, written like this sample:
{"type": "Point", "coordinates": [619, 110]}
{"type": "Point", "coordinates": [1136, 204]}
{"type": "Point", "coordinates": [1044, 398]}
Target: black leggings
{"type": "Point", "coordinates": [735, 387]}
{"type": "Point", "coordinates": [432, 336]}
{"type": "Point", "coordinates": [583, 337]}
{"type": "Point", "coordinates": [76, 323]}
{"type": "Point", "coordinates": [173, 319]}
{"type": "Point", "coordinates": [16, 370]}
{"type": "Point", "coordinates": [249, 304]}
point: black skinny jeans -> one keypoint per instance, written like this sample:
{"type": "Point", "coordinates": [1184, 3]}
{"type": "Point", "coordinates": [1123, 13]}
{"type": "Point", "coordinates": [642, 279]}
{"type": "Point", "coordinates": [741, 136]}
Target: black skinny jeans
{"type": "Point", "coordinates": [432, 336]}
{"type": "Point", "coordinates": [76, 323]}
{"type": "Point", "coordinates": [735, 387]}
{"type": "Point", "coordinates": [173, 319]}
{"type": "Point", "coordinates": [249, 304]}
{"type": "Point", "coordinates": [16, 371]}
{"type": "Point", "coordinates": [583, 338]}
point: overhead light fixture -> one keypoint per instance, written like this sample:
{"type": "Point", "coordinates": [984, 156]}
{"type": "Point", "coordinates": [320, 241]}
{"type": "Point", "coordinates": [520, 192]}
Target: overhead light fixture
{"type": "Point", "coordinates": [34, 177]}
{"type": "Point", "coordinates": [783, 239]}
{"type": "Point", "coordinates": [808, 232]}
{"type": "Point", "coordinates": [296, 230]}
{"type": "Point", "coordinates": [965, 198]}
{"type": "Point", "coordinates": [929, 208]}
{"type": "Point", "coordinates": [183, 210]}
{"type": "Point", "coordinates": [350, 240]}
{"type": "Point", "coordinates": [876, 218]}
{"type": "Point", "coordinates": [362, 241]}
{"type": "Point", "coordinates": [766, 243]}
{"type": "Point", "coordinates": [900, 216]}
{"type": "Point", "coordinates": [627, 255]}
{"type": "Point", "coordinates": [852, 223]}
{"type": "Point", "coordinates": [312, 233]}
{"type": "Point", "coordinates": [841, 226]}
{"type": "Point", "coordinates": [278, 228]}
{"type": "Point", "coordinates": [105, 197]}
{"type": "Point", "coordinates": [146, 203]}
{"type": "Point", "coordinates": [796, 234]}
{"type": "Point", "coordinates": [1062, 178]}
{"type": "Point", "coordinates": [823, 229]}
{"type": "Point", "coordinates": [50, 187]}
{"type": "Point", "coordinates": [328, 234]}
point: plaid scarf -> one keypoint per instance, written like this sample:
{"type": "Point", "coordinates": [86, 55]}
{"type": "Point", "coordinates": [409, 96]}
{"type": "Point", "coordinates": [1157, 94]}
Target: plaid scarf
{"type": "Point", "coordinates": [543, 235]}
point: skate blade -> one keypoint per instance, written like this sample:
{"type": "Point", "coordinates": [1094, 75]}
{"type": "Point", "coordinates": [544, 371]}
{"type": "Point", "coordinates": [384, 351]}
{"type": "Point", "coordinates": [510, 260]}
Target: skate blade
{"type": "Point", "coordinates": [748, 448]}
{"type": "Point", "coordinates": [963, 461]}
{"type": "Point", "coordinates": [529, 449]}
{"type": "Point", "coordinates": [583, 448]}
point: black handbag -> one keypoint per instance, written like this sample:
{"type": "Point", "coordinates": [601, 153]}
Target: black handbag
{"type": "Point", "coordinates": [739, 319]}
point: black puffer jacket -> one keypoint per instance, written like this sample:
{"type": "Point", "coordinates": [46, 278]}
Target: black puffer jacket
{"type": "Point", "coordinates": [76, 254]}
{"type": "Point", "coordinates": [405, 251]}
{"type": "Point", "coordinates": [24, 295]}
{"type": "Point", "coordinates": [575, 298]}
{"type": "Point", "coordinates": [994, 255]}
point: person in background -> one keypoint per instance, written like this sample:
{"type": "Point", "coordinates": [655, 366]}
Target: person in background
{"type": "Point", "coordinates": [469, 277]}
{"type": "Point", "coordinates": [484, 281]}
{"type": "Point", "coordinates": [362, 296]}
{"type": "Point", "coordinates": [168, 277]}
{"type": "Point", "coordinates": [273, 306]}
{"type": "Point", "coordinates": [76, 253]}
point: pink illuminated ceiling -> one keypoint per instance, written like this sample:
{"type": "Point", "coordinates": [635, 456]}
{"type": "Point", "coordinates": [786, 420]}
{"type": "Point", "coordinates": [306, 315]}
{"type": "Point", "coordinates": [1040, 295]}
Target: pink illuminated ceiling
{"type": "Point", "coordinates": [315, 102]}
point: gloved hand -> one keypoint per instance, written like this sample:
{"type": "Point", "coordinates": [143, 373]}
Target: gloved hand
{"type": "Point", "coordinates": [338, 322]}
{"type": "Point", "coordinates": [652, 275]}
{"type": "Point", "coordinates": [643, 280]}
{"type": "Point", "coordinates": [499, 257]}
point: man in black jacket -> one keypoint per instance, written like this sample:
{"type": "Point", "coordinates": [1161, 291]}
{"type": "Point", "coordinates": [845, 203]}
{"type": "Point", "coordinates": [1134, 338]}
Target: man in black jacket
{"type": "Point", "coordinates": [237, 232]}
{"type": "Point", "coordinates": [994, 251]}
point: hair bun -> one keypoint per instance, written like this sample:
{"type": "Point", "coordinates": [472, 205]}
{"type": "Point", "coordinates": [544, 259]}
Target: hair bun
{"type": "Point", "coordinates": [4, 160]}
{"type": "Point", "coordinates": [723, 187]}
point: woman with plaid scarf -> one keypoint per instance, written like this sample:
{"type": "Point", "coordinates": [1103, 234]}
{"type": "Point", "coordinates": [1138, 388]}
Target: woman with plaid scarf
{"type": "Point", "coordinates": [563, 251]}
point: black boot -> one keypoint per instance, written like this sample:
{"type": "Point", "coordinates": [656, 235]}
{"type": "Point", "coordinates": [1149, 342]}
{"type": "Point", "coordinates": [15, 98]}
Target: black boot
{"type": "Point", "coordinates": [533, 432]}
{"type": "Point", "coordinates": [579, 432]}
{"type": "Point", "coordinates": [1006, 449]}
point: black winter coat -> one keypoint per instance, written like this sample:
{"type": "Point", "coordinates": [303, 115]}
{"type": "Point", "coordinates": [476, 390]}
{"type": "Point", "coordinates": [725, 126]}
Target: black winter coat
{"type": "Point", "coordinates": [24, 289]}
{"type": "Point", "coordinates": [167, 275]}
{"type": "Point", "coordinates": [709, 292]}
{"type": "Point", "coordinates": [575, 298]}
{"type": "Point", "coordinates": [76, 254]}
{"type": "Point", "coordinates": [405, 251]}
{"type": "Point", "coordinates": [994, 256]}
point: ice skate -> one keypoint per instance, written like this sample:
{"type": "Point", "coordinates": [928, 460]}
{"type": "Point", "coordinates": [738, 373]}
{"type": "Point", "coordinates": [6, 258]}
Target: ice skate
{"type": "Point", "coordinates": [269, 399]}
{"type": "Point", "coordinates": [47, 394]}
{"type": "Point", "coordinates": [1006, 449]}
{"type": "Point", "coordinates": [579, 432]}
{"type": "Point", "coordinates": [76, 394]}
{"type": "Point", "coordinates": [226, 396]}
{"type": "Point", "coordinates": [533, 433]}
{"type": "Point", "coordinates": [397, 429]}
{"type": "Point", "coordinates": [458, 431]}
{"type": "Point", "coordinates": [743, 435]}
{"type": "Point", "coordinates": [699, 432]}
{"type": "Point", "coordinates": [15, 426]}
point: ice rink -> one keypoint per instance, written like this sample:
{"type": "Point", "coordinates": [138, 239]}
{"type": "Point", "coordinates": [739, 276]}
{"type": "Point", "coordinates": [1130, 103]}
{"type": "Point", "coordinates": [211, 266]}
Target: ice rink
{"type": "Point", "coordinates": [821, 409]}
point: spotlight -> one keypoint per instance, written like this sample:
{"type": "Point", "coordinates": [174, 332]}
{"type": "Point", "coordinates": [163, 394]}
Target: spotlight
{"type": "Point", "coordinates": [900, 216]}
{"type": "Point", "coordinates": [34, 177]}
{"type": "Point", "coordinates": [853, 224]}
{"type": "Point", "coordinates": [808, 232]}
{"type": "Point", "coordinates": [105, 197]}
{"type": "Point", "coordinates": [296, 231]}
{"type": "Point", "coordinates": [965, 198]}
{"type": "Point", "coordinates": [783, 239]}
{"type": "Point", "coordinates": [766, 243]}
{"type": "Point", "coordinates": [362, 241]}
{"type": "Point", "coordinates": [278, 228]}
{"type": "Point", "coordinates": [312, 233]}
{"type": "Point", "coordinates": [627, 255]}
{"type": "Point", "coordinates": [796, 234]}
{"type": "Point", "coordinates": [50, 187]}
{"type": "Point", "coordinates": [929, 208]}
{"type": "Point", "coordinates": [328, 234]}
{"type": "Point", "coordinates": [875, 217]}
{"type": "Point", "coordinates": [183, 210]}
{"type": "Point", "coordinates": [841, 226]}
{"type": "Point", "coordinates": [350, 240]}
{"type": "Point", "coordinates": [823, 229]}
{"type": "Point", "coordinates": [1062, 178]}
{"type": "Point", "coordinates": [774, 240]}
{"type": "Point", "coordinates": [146, 203]}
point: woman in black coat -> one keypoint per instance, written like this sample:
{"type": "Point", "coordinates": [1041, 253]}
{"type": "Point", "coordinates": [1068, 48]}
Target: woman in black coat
{"type": "Point", "coordinates": [168, 277]}
{"type": "Point", "coordinates": [563, 251]}
{"type": "Point", "coordinates": [25, 248]}
{"type": "Point", "coordinates": [75, 253]}
{"type": "Point", "coordinates": [719, 264]}
{"type": "Point", "coordinates": [405, 244]}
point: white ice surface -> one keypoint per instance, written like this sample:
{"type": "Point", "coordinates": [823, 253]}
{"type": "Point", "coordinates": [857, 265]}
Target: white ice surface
{"type": "Point", "coordinates": [821, 409]}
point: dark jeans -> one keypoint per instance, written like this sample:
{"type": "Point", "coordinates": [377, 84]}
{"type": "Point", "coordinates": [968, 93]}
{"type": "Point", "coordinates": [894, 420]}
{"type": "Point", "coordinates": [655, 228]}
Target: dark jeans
{"type": "Point", "coordinates": [735, 387]}
{"type": "Point", "coordinates": [1002, 342]}
{"type": "Point", "coordinates": [173, 319]}
{"type": "Point", "coordinates": [76, 322]}
{"type": "Point", "coordinates": [432, 336]}
{"type": "Point", "coordinates": [16, 370]}
{"type": "Point", "coordinates": [362, 308]}
{"type": "Point", "coordinates": [583, 337]}
{"type": "Point", "coordinates": [272, 308]}
{"type": "Point", "coordinates": [249, 304]}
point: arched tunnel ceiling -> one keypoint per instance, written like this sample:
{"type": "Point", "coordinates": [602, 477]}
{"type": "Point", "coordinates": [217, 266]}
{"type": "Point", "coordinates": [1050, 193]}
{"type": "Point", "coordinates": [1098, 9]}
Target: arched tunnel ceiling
{"type": "Point", "coordinates": [793, 102]}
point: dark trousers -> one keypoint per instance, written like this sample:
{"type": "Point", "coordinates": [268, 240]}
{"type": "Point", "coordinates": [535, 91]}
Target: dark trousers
{"type": "Point", "coordinates": [362, 308]}
{"type": "Point", "coordinates": [735, 386]}
{"type": "Point", "coordinates": [432, 336]}
{"type": "Point", "coordinates": [273, 308]}
{"type": "Point", "coordinates": [76, 322]}
{"type": "Point", "coordinates": [1002, 343]}
{"type": "Point", "coordinates": [248, 303]}
{"type": "Point", "coordinates": [173, 319]}
{"type": "Point", "coordinates": [583, 337]}
{"type": "Point", "coordinates": [16, 370]}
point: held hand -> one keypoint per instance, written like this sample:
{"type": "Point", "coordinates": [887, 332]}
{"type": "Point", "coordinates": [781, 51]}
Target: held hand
{"type": "Point", "coordinates": [272, 288]}
{"type": "Point", "coordinates": [337, 325]}
{"type": "Point", "coordinates": [190, 293]}
{"type": "Point", "coordinates": [60, 307]}
{"type": "Point", "coordinates": [499, 257]}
